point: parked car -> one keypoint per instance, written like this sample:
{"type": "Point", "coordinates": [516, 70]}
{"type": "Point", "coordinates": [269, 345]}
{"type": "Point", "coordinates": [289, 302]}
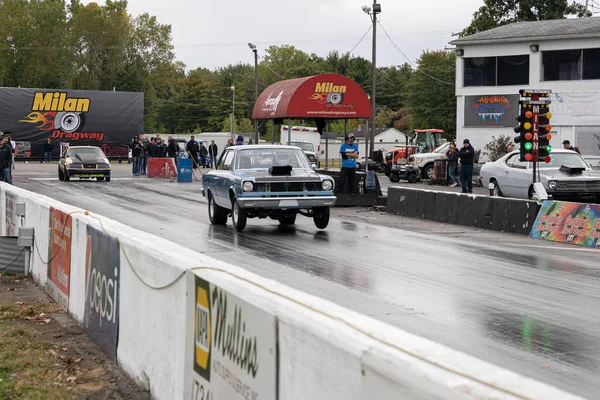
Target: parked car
{"type": "Point", "coordinates": [84, 162]}
{"type": "Point", "coordinates": [566, 177]}
{"type": "Point", "coordinates": [309, 149]}
{"type": "Point", "coordinates": [261, 181]}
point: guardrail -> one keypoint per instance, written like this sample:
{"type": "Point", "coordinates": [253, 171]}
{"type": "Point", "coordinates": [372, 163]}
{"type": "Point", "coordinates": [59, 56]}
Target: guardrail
{"type": "Point", "coordinates": [185, 325]}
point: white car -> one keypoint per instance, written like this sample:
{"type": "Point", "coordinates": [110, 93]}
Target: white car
{"type": "Point", "coordinates": [426, 161]}
{"type": "Point", "coordinates": [567, 177]}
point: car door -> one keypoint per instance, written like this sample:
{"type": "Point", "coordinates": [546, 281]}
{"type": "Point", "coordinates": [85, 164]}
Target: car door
{"type": "Point", "coordinates": [223, 178]}
{"type": "Point", "coordinates": [518, 178]}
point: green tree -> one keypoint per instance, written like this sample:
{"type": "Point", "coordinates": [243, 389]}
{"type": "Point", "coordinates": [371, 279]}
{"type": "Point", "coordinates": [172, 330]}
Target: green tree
{"type": "Point", "coordinates": [391, 86]}
{"type": "Point", "coordinates": [496, 13]}
{"type": "Point", "coordinates": [431, 98]}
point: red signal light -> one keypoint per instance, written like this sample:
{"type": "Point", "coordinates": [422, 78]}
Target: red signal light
{"type": "Point", "coordinates": [528, 157]}
{"type": "Point", "coordinates": [528, 136]}
{"type": "Point", "coordinates": [548, 159]}
{"type": "Point", "coordinates": [528, 114]}
{"type": "Point", "coordinates": [548, 128]}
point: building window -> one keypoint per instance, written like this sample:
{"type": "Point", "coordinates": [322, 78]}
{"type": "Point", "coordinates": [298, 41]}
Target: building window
{"type": "Point", "coordinates": [591, 63]}
{"type": "Point", "coordinates": [562, 65]}
{"type": "Point", "coordinates": [513, 70]}
{"type": "Point", "coordinates": [480, 71]}
{"type": "Point", "coordinates": [496, 71]}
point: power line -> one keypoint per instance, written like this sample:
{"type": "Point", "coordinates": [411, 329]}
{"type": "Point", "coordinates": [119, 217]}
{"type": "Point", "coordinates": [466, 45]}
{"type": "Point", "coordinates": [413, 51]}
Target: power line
{"type": "Point", "coordinates": [410, 61]}
{"type": "Point", "coordinates": [361, 39]}
{"type": "Point", "coordinates": [269, 68]}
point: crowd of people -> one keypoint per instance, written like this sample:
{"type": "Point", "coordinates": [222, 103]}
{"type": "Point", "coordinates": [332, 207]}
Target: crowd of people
{"type": "Point", "coordinates": [202, 156]}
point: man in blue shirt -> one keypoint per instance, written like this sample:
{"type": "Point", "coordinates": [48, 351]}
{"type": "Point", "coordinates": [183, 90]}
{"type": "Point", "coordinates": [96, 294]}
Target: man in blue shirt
{"type": "Point", "coordinates": [349, 153]}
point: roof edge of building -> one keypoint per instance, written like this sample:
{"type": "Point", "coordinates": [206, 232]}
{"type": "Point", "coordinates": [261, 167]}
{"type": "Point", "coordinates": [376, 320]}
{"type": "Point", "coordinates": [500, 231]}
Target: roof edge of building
{"type": "Point", "coordinates": [466, 41]}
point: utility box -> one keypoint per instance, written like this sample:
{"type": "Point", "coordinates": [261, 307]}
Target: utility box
{"type": "Point", "coordinates": [20, 210]}
{"type": "Point", "coordinates": [25, 238]}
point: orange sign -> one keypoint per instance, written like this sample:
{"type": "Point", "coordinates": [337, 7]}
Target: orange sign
{"type": "Point", "coordinates": [59, 265]}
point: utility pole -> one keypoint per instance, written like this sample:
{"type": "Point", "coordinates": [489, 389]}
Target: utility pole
{"type": "Point", "coordinates": [373, 13]}
{"type": "Point", "coordinates": [253, 47]}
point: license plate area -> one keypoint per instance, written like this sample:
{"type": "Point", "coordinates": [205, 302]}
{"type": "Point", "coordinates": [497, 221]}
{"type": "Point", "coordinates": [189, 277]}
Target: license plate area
{"type": "Point", "coordinates": [288, 203]}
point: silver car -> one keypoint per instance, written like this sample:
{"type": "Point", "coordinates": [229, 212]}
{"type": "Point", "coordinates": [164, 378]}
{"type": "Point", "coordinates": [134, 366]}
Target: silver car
{"type": "Point", "coordinates": [566, 177]}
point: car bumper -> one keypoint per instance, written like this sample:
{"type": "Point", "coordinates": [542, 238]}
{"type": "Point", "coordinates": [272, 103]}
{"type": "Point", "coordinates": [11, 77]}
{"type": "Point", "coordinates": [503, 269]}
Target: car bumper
{"type": "Point", "coordinates": [88, 173]}
{"type": "Point", "coordinates": [286, 202]}
{"type": "Point", "coordinates": [575, 196]}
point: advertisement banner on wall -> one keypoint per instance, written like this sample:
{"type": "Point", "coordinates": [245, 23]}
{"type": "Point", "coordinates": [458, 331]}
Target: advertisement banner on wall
{"type": "Point", "coordinates": [231, 348]}
{"type": "Point", "coordinates": [102, 275]}
{"type": "Point", "coordinates": [491, 110]}
{"type": "Point", "coordinates": [59, 254]}
{"type": "Point", "coordinates": [566, 222]}
{"type": "Point", "coordinates": [10, 216]}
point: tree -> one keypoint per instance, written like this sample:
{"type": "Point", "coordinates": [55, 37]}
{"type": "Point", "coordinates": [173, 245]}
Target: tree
{"type": "Point", "coordinates": [391, 85]}
{"type": "Point", "coordinates": [431, 98]}
{"type": "Point", "coordinates": [497, 147]}
{"type": "Point", "coordinates": [496, 13]}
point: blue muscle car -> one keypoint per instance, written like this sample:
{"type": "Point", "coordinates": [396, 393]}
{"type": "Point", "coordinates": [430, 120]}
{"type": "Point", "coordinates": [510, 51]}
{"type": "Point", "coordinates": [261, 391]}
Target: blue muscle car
{"type": "Point", "coordinates": [266, 181]}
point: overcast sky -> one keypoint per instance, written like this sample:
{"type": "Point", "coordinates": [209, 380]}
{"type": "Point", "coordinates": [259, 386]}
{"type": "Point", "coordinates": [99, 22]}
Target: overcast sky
{"type": "Point", "coordinates": [216, 33]}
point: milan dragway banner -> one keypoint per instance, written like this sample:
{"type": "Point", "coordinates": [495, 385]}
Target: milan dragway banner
{"type": "Point", "coordinates": [230, 346]}
{"type": "Point", "coordinates": [576, 223]}
{"type": "Point", "coordinates": [491, 110]}
{"type": "Point", "coordinates": [102, 278]}
{"type": "Point", "coordinates": [59, 254]}
{"type": "Point", "coordinates": [75, 116]}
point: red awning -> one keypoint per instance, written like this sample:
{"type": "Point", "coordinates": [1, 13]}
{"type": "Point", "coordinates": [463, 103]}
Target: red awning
{"type": "Point", "coordinates": [328, 96]}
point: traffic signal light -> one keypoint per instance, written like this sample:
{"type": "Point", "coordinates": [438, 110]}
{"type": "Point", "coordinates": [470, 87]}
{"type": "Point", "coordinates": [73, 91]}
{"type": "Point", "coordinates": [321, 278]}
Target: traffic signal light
{"type": "Point", "coordinates": [544, 135]}
{"type": "Point", "coordinates": [524, 129]}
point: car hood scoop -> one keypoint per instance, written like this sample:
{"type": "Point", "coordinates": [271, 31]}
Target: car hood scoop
{"type": "Point", "coordinates": [89, 158]}
{"type": "Point", "coordinates": [571, 170]}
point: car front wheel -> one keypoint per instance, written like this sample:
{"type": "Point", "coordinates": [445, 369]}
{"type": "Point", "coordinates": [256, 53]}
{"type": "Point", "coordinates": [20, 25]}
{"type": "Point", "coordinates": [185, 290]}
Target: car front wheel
{"type": "Point", "coordinates": [428, 172]}
{"type": "Point", "coordinates": [67, 176]}
{"type": "Point", "coordinates": [238, 216]}
{"type": "Point", "coordinates": [216, 214]}
{"type": "Point", "coordinates": [497, 191]}
{"type": "Point", "coordinates": [321, 217]}
{"type": "Point", "coordinates": [61, 176]}
{"type": "Point", "coordinates": [394, 177]}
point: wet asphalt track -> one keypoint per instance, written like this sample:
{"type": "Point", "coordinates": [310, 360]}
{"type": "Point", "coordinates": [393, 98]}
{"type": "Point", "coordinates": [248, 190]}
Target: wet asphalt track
{"type": "Point", "coordinates": [534, 310]}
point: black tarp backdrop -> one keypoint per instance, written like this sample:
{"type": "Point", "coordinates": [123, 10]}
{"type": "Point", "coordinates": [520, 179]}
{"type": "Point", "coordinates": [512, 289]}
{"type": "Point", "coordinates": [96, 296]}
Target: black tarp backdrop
{"type": "Point", "coordinates": [78, 117]}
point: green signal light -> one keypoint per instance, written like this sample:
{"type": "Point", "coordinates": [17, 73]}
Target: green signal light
{"type": "Point", "coordinates": [528, 146]}
{"type": "Point", "coordinates": [549, 148]}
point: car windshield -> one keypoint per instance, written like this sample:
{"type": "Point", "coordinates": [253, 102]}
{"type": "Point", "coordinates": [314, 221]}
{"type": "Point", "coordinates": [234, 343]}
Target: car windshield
{"type": "Point", "coordinates": [91, 151]}
{"type": "Point", "coordinates": [266, 158]}
{"type": "Point", "coordinates": [306, 146]}
{"type": "Point", "coordinates": [567, 159]}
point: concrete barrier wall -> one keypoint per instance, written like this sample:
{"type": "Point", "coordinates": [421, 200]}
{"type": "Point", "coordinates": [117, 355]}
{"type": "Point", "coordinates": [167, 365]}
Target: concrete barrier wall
{"type": "Point", "coordinates": [324, 351]}
{"type": "Point", "coordinates": [495, 213]}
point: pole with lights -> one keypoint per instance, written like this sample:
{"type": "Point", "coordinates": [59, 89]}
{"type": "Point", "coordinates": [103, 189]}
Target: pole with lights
{"type": "Point", "coordinates": [372, 12]}
{"type": "Point", "coordinates": [253, 48]}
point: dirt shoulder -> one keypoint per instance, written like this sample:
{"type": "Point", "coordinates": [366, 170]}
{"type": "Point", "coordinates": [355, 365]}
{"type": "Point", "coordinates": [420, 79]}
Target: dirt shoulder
{"type": "Point", "coordinates": [44, 354]}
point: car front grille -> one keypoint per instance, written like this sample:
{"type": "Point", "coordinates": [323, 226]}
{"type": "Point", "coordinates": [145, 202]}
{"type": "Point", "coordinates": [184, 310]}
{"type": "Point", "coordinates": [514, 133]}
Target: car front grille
{"type": "Point", "coordinates": [578, 186]}
{"type": "Point", "coordinates": [88, 166]}
{"type": "Point", "coordinates": [280, 187]}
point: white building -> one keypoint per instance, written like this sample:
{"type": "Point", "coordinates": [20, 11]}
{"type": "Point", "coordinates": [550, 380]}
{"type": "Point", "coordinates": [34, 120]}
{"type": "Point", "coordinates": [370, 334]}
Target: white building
{"type": "Point", "coordinates": [561, 55]}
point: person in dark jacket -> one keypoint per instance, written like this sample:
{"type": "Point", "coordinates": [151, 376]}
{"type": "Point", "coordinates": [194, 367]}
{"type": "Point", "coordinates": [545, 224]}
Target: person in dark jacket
{"type": "Point", "coordinates": [192, 149]}
{"type": "Point", "coordinates": [5, 160]}
{"type": "Point", "coordinates": [203, 152]}
{"type": "Point", "coordinates": [48, 147]}
{"type": "Point", "coordinates": [239, 141]}
{"type": "Point", "coordinates": [567, 146]}
{"type": "Point", "coordinates": [151, 148]}
{"type": "Point", "coordinates": [452, 164]}
{"type": "Point", "coordinates": [466, 155]}
{"type": "Point", "coordinates": [213, 151]}
{"type": "Point", "coordinates": [173, 149]}
{"type": "Point", "coordinates": [143, 155]}
{"type": "Point", "coordinates": [136, 152]}
{"type": "Point", "coordinates": [161, 148]}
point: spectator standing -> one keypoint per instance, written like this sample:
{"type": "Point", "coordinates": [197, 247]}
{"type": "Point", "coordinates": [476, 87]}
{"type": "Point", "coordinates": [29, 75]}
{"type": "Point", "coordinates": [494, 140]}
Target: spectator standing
{"type": "Point", "coordinates": [349, 153]}
{"type": "Point", "coordinates": [466, 155]}
{"type": "Point", "coordinates": [173, 149]}
{"type": "Point", "coordinates": [203, 152]}
{"type": "Point", "coordinates": [161, 148]}
{"type": "Point", "coordinates": [151, 149]}
{"type": "Point", "coordinates": [192, 149]}
{"type": "Point", "coordinates": [5, 160]}
{"type": "Point", "coordinates": [452, 164]}
{"type": "Point", "coordinates": [229, 143]}
{"type": "Point", "coordinates": [239, 141]}
{"type": "Point", "coordinates": [213, 150]}
{"type": "Point", "coordinates": [136, 151]}
{"type": "Point", "coordinates": [567, 146]}
{"type": "Point", "coordinates": [48, 147]}
{"type": "Point", "coordinates": [144, 154]}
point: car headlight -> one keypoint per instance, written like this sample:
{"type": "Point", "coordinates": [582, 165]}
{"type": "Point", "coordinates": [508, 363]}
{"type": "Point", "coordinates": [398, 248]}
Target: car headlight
{"type": "Point", "coordinates": [248, 186]}
{"type": "Point", "coordinates": [327, 185]}
{"type": "Point", "coordinates": [104, 166]}
{"type": "Point", "coordinates": [552, 185]}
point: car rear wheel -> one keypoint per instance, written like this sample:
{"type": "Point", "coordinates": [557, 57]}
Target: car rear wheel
{"type": "Point", "coordinates": [321, 217]}
{"type": "Point", "coordinates": [238, 216]}
{"type": "Point", "coordinates": [497, 191]}
{"type": "Point", "coordinates": [394, 177]}
{"type": "Point", "coordinates": [61, 176]}
{"type": "Point", "coordinates": [216, 214]}
{"type": "Point", "coordinates": [289, 219]}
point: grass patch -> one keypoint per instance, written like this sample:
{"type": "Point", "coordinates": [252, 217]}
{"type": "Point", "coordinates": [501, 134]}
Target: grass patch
{"type": "Point", "coordinates": [29, 367]}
